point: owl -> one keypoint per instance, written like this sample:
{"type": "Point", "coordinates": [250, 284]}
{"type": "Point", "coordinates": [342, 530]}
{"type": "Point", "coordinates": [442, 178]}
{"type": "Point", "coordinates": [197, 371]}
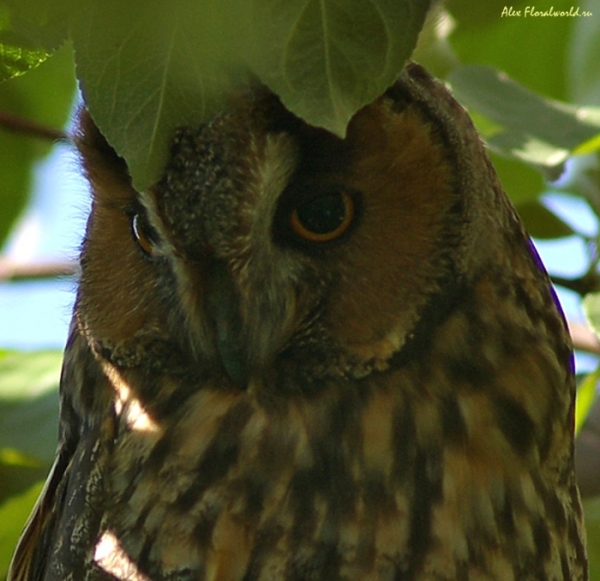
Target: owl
{"type": "Point", "coordinates": [300, 357]}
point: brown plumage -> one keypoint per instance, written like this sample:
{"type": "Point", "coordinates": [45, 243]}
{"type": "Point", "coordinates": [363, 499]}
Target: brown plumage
{"type": "Point", "coordinates": [304, 358]}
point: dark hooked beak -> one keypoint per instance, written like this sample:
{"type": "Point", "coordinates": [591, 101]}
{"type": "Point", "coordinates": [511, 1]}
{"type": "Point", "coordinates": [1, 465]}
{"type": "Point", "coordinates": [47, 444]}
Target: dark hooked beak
{"type": "Point", "coordinates": [223, 309]}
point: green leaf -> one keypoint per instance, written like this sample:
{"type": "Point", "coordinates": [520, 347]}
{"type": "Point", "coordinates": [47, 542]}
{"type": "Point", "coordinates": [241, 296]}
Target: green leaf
{"type": "Point", "coordinates": [591, 509]}
{"type": "Point", "coordinates": [541, 222]}
{"type": "Point", "coordinates": [328, 58]}
{"type": "Point", "coordinates": [15, 57]}
{"type": "Point", "coordinates": [586, 394]}
{"type": "Point", "coordinates": [537, 130]}
{"type": "Point", "coordinates": [583, 72]}
{"type": "Point", "coordinates": [590, 146]}
{"type": "Point", "coordinates": [13, 514]}
{"type": "Point", "coordinates": [45, 95]}
{"type": "Point", "coordinates": [528, 148]}
{"type": "Point", "coordinates": [520, 181]}
{"type": "Point", "coordinates": [17, 53]}
{"type": "Point", "coordinates": [591, 309]}
{"type": "Point", "coordinates": [531, 50]}
{"type": "Point", "coordinates": [43, 24]}
{"type": "Point", "coordinates": [29, 404]}
{"type": "Point", "coordinates": [18, 472]}
{"type": "Point", "coordinates": [147, 67]}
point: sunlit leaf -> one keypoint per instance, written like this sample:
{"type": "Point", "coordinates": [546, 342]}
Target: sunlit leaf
{"type": "Point", "coordinates": [590, 146]}
{"type": "Point", "coordinates": [586, 394]}
{"type": "Point", "coordinates": [15, 58]}
{"type": "Point", "coordinates": [537, 130]}
{"type": "Point", "coordinates": [17, 53]}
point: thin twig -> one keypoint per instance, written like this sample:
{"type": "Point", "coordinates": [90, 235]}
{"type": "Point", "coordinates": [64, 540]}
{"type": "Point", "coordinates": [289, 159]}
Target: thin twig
{"type": "Point", "coordinates": [13, 271]}
{"type": "Point", "coordinates": [18, 124]}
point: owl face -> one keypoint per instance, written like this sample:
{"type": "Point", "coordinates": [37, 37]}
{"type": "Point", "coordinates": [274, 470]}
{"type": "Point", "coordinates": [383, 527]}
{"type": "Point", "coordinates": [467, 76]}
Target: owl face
{"type": "Point", "coordinates": [272, 252]}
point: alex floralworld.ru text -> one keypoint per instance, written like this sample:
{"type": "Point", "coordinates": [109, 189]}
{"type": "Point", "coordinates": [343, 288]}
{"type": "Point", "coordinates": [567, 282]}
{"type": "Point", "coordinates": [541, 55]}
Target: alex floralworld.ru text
{"type": "Point", "coordinates": [531, 11]}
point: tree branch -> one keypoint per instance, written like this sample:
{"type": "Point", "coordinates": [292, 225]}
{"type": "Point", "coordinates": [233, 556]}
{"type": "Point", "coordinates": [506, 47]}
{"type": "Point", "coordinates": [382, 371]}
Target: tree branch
{"type": "Point", "coordinates": [582, 285]}
{"type": "Point", "coordinates": [13, 271]}
{"type": "Point", "coordinates": [18, 124]}
{"type": "Point", "coordinates": [584, 339]}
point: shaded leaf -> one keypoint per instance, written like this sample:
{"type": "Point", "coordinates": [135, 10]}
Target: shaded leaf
{"type": "Point", "coordinates": [583, 72]}
{"type": "Point", "coordinates": [528, 148]}
{"type": "Point", "coordinates": [44, 94]}
{"type": "Point", "coordinates": [591, 509]}
{"type": "Point", "coordinates": [13, 514]}
{"type": "Point", "coordinates": [29, 403]}
{"type": "Point", "coordinates": [17, 476]}
{"type": "Point", "coordinates": [41, 23]}
{"type": "Point", "coordinates": [541, 222]}
{"type": "Point", "coordinates": [520, 181]}
{"type": "Point", "coordinates": [531, 50]}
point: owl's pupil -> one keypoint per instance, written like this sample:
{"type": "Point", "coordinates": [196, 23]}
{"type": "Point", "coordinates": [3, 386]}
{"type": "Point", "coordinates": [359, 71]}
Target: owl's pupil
{"type": "Point", "coordinates": [323, 218]}
{"type": "Point", "coordinates": [323, 214]}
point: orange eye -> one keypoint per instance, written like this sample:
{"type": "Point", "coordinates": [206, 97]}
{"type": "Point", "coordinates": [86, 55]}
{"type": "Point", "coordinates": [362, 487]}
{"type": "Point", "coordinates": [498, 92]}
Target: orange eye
{"type": "Point", "coordinates": [324, 218]}
{"type": "Point", "coordinates": [144, 234]}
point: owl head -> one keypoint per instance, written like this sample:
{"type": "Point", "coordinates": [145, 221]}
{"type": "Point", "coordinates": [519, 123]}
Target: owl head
{"type": "Point", "coordinates": [273, 253]}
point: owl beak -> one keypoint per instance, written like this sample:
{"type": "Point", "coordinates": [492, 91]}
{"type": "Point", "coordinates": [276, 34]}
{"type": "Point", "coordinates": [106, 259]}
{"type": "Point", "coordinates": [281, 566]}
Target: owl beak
{"type": "Point", "coordinates": [223, 310]}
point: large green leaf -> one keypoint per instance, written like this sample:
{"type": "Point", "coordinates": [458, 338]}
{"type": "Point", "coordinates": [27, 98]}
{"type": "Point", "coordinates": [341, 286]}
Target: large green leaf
{"type": "Point", "coordinates": [147, 66]}
{"type": "Point", "coordinates": [328, 58]}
